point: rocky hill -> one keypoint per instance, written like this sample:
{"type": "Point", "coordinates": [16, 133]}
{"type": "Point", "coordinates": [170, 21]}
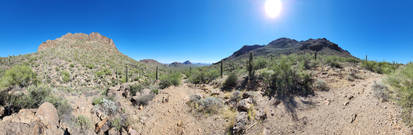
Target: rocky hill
{"type": "Point", "coordinates": [290, 46]}
{"type": "Point", "coordinates": [82, 60]}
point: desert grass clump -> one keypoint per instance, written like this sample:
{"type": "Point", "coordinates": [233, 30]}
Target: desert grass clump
{"type": "Point", "coordinates": [208, 105]}
{"type": "Point", "coordinates": [401, 83]}
{"type": "Point", "coordinates": [230, 82]}
{"type": "Point", "coordinates": [169, 80]}
{"type": "Point", "coordinates": [381, 92]}
{"type": "Point", "coordinates": [83, 122]}
{"type": "Point", "coordinates": [321, 85]}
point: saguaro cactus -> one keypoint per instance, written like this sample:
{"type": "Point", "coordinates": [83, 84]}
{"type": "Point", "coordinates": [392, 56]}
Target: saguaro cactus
{"type": "Point", "coordinates": [222, 69]}
{"type": "Point", "coordinates": [157, 72]}
{"type": "Point", "coordinates": [250, 67]}
{"type": "Point", "coordinates": [126, 72]}
{"type": "Point", "coordinates": [315, 55]}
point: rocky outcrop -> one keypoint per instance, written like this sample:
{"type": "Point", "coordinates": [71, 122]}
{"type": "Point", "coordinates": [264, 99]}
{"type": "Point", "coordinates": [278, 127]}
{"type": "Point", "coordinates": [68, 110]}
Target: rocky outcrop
{"type": "Point", "coordinates": [69, 37]}
{"type": "Point", "coordinates": [43, 121]}
{"type": "Point", "coordinates": [245, 49]}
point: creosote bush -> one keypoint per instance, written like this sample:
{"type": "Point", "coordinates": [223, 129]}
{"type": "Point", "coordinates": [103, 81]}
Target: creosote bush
{"type": "Point", "coordinates": [169, 80]}
{"type": "Point", "coordinates": [135, 88]}
{"type": "Point", "coordinates": [65, 76]}
{"type": "Point", "coordinates": [203, 76]}
{"type": "Point", "coordinates": [20, 75]}
{"type": "Point", "coordinates": [380, 67]}
{"type": "Point", "coordinates": [288, 80]}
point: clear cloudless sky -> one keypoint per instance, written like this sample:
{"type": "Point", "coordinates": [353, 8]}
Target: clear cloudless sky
{"type": "Point", "coordinates": [209, 30]}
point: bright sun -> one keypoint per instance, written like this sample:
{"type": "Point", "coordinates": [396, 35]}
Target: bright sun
{"type": "Point", "coordinates": [273, 8]}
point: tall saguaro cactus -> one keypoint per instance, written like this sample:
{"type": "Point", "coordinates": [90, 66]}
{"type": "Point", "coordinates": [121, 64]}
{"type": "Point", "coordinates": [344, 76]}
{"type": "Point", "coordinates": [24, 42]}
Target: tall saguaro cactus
{"type": "Point", "coordinates": [250, 67]}
{"type": "Point", "coordinates": [157, 72]}
{"type": "Point", "coordinates": [222, 68]}
{"type": "Point", "coordinates": [315, 55]}
{"type": "Point", "coordinates": [126, 72]}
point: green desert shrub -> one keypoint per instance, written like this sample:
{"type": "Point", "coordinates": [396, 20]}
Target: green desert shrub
{"type": "Point", "coordinates": [61, 104]}
{"type": "Point", "coordinates": [103, 73]}
{"type": "Point", "coordinates": [135, 88]}
{"type": "Point", "coordinates": [169, 80]}
{"type": "Point", "coordinates": [380, 67]}
{"type": "Point", "coordinates": [204, 76]}
{"type": "Point", "coordinates": [260, 63]}
{"type": "Point", "coordinates": [90, 66]}
{"type": "Point", "coordinates": [65, 76]}
{"type": "Point", "coordinates": [230, 82]}
{"type": "Point", "coordinates": [97, 100]}
{"type": "Point", "coordinates": [20, 75]}
{"type": "Point", "coordinates": [401, 83]}
{"type": "Point", "coordinates": [288, 80]}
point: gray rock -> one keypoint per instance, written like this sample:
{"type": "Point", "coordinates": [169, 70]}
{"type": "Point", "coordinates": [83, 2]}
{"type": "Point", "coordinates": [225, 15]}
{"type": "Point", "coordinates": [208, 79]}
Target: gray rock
{"type": "Point", "coordinates": [245, 104]}
{"type": "Point", "coordinates": [241, 123]}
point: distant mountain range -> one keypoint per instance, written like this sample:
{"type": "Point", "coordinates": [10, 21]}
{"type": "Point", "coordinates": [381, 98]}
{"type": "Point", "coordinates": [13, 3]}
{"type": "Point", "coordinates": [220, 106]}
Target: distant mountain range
{"type": "Point", "coordinates": [187, 64]}
{"type": "Point", "coordinates": [290, 46]}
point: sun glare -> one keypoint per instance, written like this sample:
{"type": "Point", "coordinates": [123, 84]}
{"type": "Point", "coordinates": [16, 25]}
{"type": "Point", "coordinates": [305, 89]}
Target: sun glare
{"type": "Point", "coordinates": [273, 8]}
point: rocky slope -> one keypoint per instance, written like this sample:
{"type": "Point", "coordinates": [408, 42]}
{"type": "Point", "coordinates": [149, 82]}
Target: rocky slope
{"type": "Point", "coordinates": [82, 60]}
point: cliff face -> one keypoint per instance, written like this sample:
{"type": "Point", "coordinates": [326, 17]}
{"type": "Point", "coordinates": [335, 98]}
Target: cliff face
{"type": "Point", "coordinates": [80, 40]}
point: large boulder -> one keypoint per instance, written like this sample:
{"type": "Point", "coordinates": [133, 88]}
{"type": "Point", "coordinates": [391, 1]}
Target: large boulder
{"type": "Point", "coordinates": [47, 114]}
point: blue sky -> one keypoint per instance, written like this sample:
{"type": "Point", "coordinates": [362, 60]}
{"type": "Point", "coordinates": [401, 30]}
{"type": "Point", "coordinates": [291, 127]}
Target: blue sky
{"type": "Point", "coordinates": [209, 30]}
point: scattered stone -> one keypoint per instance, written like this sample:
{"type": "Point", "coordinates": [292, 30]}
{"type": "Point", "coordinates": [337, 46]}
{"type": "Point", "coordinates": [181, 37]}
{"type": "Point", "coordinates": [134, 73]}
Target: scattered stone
{"type": "Point", "coordinates": [346, 103]}
{"type": "Point", "coordinates": [245, 104]}
{"type": "Point", "coordinates": [261, 115]}
{"type": "Point", "coordinates": [241, 123]}
{"type": "Point", "coordinates": [100, 125]}
{"type": "Point", "coordinates": [179, 124]}
{"type": "Point", "coordinates": [1, 111]}
{"type": "Point", "coordinates": [132, 132]}
{"type": "Point", "coordinates": [353, 118]}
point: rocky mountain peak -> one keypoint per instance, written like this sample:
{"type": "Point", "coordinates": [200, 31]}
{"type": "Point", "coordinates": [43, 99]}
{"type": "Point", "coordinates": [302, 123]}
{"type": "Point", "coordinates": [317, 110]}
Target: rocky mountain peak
{"type": "Point", "coordinates": [187, 62]}
{"type": "Point", "coordinates": [79, 38]}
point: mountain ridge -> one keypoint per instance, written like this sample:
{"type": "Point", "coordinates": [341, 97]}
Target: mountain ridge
{"type": "Point", "coordinates": [289, 46]}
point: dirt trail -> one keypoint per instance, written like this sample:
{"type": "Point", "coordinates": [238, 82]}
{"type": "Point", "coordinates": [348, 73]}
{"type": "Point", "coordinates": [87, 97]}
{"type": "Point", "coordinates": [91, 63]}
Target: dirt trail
{"type": "Point", "coordinates": [168, 117]}
{"type": "Point", "coordinates": [349, 108]}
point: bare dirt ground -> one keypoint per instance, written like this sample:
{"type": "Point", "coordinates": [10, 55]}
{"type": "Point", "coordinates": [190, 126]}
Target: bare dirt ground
{"type": "Point", "coordinates": [348, 108]}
